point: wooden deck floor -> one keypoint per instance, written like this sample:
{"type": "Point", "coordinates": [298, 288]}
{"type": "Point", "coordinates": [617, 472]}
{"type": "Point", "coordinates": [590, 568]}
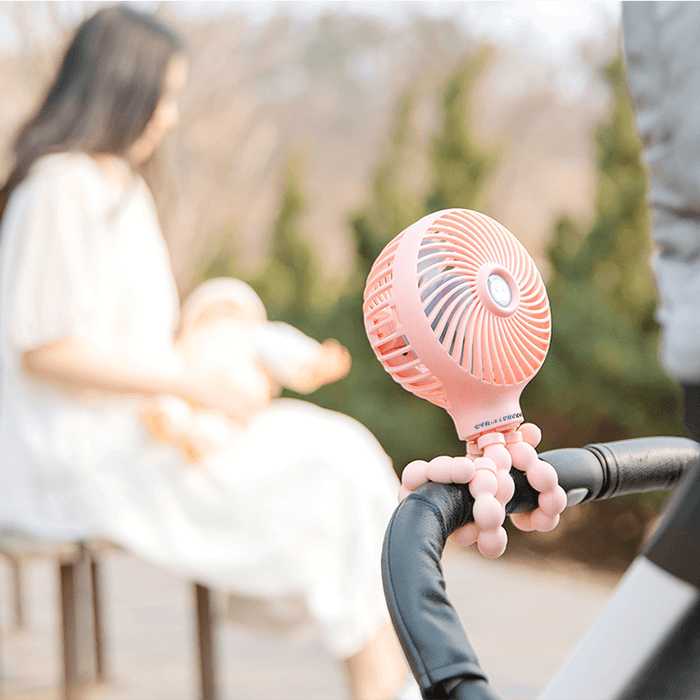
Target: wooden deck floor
{"type": "Point", "coordinates": [151, 647]}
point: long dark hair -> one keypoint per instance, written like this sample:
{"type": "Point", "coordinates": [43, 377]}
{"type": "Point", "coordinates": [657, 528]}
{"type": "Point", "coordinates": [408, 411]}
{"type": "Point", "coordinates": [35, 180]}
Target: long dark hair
{"type": "Point", "coordinates": [106, 90]}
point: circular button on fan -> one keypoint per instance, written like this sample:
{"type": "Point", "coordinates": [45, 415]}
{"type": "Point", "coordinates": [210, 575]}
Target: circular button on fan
{"type": "Point", "coordinates": [499, 290]}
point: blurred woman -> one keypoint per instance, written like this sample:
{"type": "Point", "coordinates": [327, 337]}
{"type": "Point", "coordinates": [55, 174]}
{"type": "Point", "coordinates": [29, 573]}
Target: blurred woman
{"type": "Point", "coordinates": [88, 313]}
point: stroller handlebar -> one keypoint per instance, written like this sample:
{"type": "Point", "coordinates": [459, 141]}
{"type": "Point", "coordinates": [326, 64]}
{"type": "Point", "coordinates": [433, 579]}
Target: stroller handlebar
{"type": "Point", "coordinates": [433, 639]}
{"type": "Point", "coordinates": [607, 470]}
{"type": "Point", "coordinates": [624, 467]}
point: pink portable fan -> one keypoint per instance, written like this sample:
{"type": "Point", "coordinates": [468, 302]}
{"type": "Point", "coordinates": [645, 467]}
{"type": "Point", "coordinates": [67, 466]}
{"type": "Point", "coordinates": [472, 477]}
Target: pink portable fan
{"type": "Point", "coordinates": [457, 313]}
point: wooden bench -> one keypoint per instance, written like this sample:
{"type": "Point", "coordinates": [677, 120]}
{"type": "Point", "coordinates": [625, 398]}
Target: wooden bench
{"type": "Point", "coordinates": [82, 614]}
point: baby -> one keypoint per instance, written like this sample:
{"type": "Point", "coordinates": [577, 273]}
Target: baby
{"type": "Point", "coordinates": [224, 327]}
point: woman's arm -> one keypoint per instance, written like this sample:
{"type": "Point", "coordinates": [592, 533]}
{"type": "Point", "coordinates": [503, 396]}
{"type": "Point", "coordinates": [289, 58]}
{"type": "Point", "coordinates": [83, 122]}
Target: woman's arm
{"type": "Point", "coordinates": [77, 365]}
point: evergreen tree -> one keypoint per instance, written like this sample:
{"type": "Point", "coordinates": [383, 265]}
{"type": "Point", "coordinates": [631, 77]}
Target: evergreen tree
{"type": "Point", "coordinates": [602, 379]}
{"type": "Point", "coordinates": [408, 427]}
{"type": "Point", "coordinates": [394, 204]}
{"type": "Point", "coordinates": [290, 277]}
{"type": "Point", "coordinates": [460, 163]}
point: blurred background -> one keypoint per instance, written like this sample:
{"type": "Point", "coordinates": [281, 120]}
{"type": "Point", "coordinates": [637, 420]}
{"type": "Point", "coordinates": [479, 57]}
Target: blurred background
{"type": "Point", "coordinates": [313, 132]}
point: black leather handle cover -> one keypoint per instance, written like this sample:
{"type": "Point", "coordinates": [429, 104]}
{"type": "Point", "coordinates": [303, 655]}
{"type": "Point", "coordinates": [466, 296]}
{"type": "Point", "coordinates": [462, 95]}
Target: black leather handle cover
{"type": "Point", "coordinates": [431, 634]}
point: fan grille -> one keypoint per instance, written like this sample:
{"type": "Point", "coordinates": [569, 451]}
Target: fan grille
{"type": "Point", "coordinates": [498, 348]}
{"type": "Point", "coordinates": [386, 336]}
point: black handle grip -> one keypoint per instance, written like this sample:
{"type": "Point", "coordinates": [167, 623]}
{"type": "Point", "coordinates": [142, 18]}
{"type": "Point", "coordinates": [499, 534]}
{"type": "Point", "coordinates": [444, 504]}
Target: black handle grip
{"type": "Point", "coordinates": [643, 464]}
{"type": "Point", "coordinates": [607, 470]}
{"type": "Point", "coordinates": [434, 642]}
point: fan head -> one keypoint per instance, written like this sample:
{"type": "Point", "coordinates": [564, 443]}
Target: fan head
{"type": "Point", "coordinates": [457, 313]}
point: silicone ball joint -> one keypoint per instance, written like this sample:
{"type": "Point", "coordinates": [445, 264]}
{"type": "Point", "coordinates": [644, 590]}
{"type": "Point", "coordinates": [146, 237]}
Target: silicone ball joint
{"type": "Point", "coordinates": [457, 313]}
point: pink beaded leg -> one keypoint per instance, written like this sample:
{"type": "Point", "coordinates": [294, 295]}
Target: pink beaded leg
{"type": "Point", "coordinates": [468, 534]}
{"type": "Point", "coordinates": [521, 444]}
{"type": "Point", "coordinates": [444, 470]}
{"type": "Point", "coordinates": [489, 482]}
{"type": "Point", "coordinates": [486, 469]}
{"type": "Point", "coordinates": [492, 487]}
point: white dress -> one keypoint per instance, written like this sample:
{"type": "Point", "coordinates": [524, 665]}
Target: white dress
{"type": "Point", "coordinates": [297, 507]}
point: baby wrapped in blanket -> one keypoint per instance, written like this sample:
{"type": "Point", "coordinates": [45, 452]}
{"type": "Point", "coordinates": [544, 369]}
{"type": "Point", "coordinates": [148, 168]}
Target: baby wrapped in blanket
{"type": "Point", "coordinates": [224, 328]}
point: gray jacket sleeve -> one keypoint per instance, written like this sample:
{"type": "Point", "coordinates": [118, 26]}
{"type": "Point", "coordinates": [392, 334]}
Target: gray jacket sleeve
{"type": "Point", "coordinates": [662, 52]}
